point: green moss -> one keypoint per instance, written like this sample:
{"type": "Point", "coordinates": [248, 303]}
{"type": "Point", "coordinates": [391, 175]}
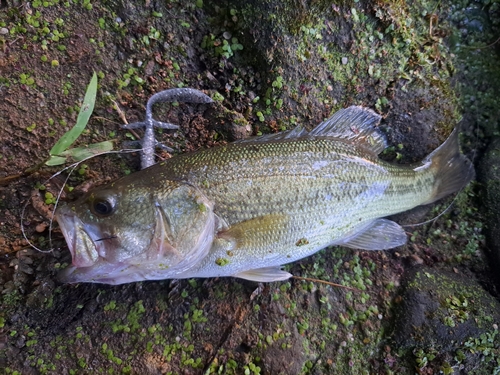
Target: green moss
{"type": "Point", "coordinates": [456, 299]}
{"type": "Point", "coordinates": [222, 262]}
{"type": "Point", "coordinates": [10, 300]}
{"type": "Point", "coordinates": [307, 66]}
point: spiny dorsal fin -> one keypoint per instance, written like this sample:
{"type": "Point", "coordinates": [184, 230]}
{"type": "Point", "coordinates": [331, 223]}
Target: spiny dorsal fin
{"type": "Point", "coordinates": [357, 124]}
{"type": "Point", "coordinates": [298, 131]}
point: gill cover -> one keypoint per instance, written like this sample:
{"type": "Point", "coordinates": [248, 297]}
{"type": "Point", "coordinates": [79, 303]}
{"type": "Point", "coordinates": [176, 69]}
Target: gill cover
{"type": "Point", "coordinates": [184, 230]}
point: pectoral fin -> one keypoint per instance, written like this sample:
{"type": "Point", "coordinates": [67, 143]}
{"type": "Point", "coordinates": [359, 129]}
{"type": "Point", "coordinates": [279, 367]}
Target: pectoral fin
{"type": "Point", "coordinates": [264, 275]}
{"type": "Point", "coordinates": [255, 233]}
{"type": "Point", "coordinates": [254, 237]}
{"type": "Point", "coordinates": [381, 234]}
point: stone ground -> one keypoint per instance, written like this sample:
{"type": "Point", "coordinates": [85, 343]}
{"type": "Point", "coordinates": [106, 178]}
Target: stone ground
{"type": "Point", "coordinates": [428, 307]}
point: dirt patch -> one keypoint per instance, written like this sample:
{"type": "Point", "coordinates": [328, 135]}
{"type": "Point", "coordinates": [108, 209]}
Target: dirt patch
{"type": "Point", "coordinates": [270, 66]}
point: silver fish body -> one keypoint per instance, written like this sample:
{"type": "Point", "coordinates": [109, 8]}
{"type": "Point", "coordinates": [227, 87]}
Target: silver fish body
{"type": "Point", "coordinates": [246, 208]}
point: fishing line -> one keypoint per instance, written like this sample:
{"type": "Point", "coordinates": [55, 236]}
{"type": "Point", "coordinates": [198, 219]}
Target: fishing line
{"type": "Point", "coordinates": [324, 282]}
{"type": "Point", "coordinates": [106, 238]}
{"type": "Point", "coordinates": [436, 217]}
{"type": "Point", "coordinates": [72, 168]}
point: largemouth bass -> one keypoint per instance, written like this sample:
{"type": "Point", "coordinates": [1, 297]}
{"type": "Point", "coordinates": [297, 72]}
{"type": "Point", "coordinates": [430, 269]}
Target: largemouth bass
{"type": "Point", "coordinates": [247, 208]}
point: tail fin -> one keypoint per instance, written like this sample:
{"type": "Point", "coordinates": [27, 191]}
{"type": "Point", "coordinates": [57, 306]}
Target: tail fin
{"type": "Point", "coordinates": [452, 169]}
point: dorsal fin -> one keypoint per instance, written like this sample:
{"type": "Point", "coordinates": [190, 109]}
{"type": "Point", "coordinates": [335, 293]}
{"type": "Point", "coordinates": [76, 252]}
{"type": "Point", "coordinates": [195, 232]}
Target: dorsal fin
{"type": "Point", "coordinates": [298, 131]}
{"type": "Point", "coordinates": [356, 124]}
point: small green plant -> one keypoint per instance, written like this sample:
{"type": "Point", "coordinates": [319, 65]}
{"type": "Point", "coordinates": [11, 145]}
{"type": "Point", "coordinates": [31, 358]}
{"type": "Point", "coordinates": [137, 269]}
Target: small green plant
{"type": "Point", "coordinates": [60, 152]}
{"type": "Point", "coordinates": [422, 358]}
{"type": "Point", "coordinates": [224, 48]}
{"type": "Point", "coordinates": [217, 97]}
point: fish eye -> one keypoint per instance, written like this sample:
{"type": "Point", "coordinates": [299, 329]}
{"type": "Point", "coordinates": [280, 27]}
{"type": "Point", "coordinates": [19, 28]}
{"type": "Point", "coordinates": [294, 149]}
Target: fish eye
{"type": "Point", "coordinates": [102, 207]}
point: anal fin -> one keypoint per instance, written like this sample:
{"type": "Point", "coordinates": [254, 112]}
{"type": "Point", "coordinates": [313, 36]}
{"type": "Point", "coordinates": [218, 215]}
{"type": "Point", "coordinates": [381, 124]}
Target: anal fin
{"type": "Point", "coordinates": [264, 275]}
{"type": "Point", "coordinates": [381, 234]}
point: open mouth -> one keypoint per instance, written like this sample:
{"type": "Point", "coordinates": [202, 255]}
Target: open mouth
{"type": "Point", "coordinates": [87, 264]}
{"type": "Point", "coordinates": [83, 249]}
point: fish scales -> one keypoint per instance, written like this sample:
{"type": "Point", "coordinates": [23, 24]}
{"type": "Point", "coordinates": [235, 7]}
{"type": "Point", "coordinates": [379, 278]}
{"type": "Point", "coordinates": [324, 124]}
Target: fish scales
{"type": "Point", "coordinates": [246, 208]}
{"type": "Point", "coordinates": [245, 180]}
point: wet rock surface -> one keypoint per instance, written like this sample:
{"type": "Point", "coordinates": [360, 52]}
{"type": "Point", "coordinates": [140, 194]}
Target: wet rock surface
{"type": "Point", "coordinates": [270, 66]}
{"type": "Point", "coordinates": [444, 313]}
{"type": "Point", "coordinates": [489, 175]}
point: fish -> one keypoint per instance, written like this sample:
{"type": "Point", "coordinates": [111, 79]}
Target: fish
{"type": "Point", "coordinates": [247, 208]}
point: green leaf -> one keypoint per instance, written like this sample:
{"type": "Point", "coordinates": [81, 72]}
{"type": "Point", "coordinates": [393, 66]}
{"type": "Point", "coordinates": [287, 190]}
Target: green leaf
{"type": "Point", "coordinates": [80, 153]}
{"type": "Point", "coordinates": [55, 160]}
{"type": "Point", "coordinates": [83, 118]}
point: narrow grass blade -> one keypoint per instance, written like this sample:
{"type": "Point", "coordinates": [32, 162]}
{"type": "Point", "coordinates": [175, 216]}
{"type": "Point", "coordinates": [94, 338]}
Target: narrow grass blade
{"type": "Point", "coordinates": [83, 117]}
{"type": "Point", "coordinates": [55, 160]}
{"type": "Point", "coordinates": [80, 153]}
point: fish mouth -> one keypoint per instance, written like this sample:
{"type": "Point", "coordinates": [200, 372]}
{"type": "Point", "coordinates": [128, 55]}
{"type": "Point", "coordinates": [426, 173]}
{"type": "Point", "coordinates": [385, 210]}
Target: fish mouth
{"type": "Point", "coordinates": [83, 249]}
{"type": "Point", "coordinates": [88, 264]}
{"type": "Point", "coordinates": [100, 272]}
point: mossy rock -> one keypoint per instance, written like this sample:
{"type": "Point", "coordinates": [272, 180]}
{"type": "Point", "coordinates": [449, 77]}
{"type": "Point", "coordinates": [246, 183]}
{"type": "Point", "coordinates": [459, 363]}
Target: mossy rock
{"type": "Point", "coordinates": [489, 176]}
{"type": "Point", "coordinates": [446, 319]}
